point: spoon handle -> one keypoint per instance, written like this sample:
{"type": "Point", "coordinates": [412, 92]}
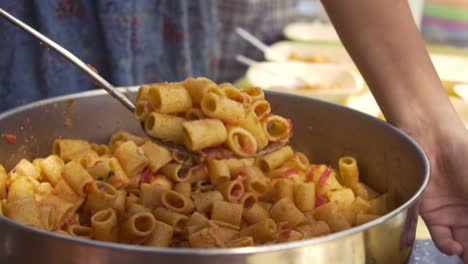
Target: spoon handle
{"type": "Point", "coordinates": [72, 58]}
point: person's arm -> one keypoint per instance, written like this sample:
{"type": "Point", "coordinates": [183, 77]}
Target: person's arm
{"type": "Point", "coordinates": [383, 41]}
{"type": "Point", "coordinates": [386, 46]}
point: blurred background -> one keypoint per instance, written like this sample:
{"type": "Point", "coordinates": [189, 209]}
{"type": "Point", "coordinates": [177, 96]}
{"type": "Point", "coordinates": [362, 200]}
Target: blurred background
{"type": "Point", "coordinates": [307, 58]}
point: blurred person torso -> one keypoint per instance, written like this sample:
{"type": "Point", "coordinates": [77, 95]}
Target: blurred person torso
{"type": "Point", "coordinates": [129, 42]}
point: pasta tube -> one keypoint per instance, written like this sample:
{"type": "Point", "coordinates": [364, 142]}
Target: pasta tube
{"type": "Point", "coordinates": [165, 127]}
{"type": "Point", "coordinates": [56, 211]}
{"type": "Point", "coordinates": [138, 228]}
{"type": "Point", "coordinates": [122, 137]}
{"type": "Point", "coordinates": [227, 212]}
{"type": "Point", "coordinates": [176, 220]}
{"type": "Point", "coordinates": [162, 235]}
{"type": "Point", "coordinates": [204, 200]}
{"type": "Point", "coordinates": [80, 231]}
{"type": "Point", "coordinates": [255, 214]}
{"type": "Point", "coordinates": [206, 238]}
{"type": "Point", "coordinates": [141, 110]}
{"type": "Point", "coordinates": [252, 124]}
{"type": "Point", "coordinates": [175, 172]}
{"type": "Point", "coordinates": [157, 156]}
{"type": "Point", "coordinates": [67, 148]}
{"type": "Point", "coordinates": [304, 196]}
{"type": "Point", "coordinates": [331, 214]}
{"type": "Point", "coordinates": [105, 226]}
{"type": "Point", "coordinates": [222, 108]}
{"type": "Point", "coordinates": [150, 195]}
{"type": "Point", "coordinates": [20, 189]}
{"type": "Point", "coordinates": [77, 177]}
{"type": "Point", "coordinates": [276, 127]}
{"type": "Point", "coordinates": [218, 171]}
{"type": "Point", "coordinates": [200, 134]}
{"type": "Point", "coordinates": [101, 150]}
{"type": "Point", "coordinates": [285, 211]}
{"type": "Point", "coordinates": [261, 108]}
{"type": "Point", "coordinates": [299, 161]}
{"type": "Point", "coordinates": [275, 159]}
{"type": "Point", "coordinates": [131, 158]}
{"type": "Point", "coordinates": [143, 92]}
{"type": "Point", "coordinates": [3, 182]}
{"type": "Point", "coordinates": [198, 87]}
{"type": "Point", "coordinates": [25, 211]}
{"type": "Point", "coordinates": [184, 188]}
{"type": "Point", "coordinates": [241, 142]}
{"type": "Point", "coordinates": [283, 188]}
{"type": "Point", "coordinates": [248, 200]}
{"type": "Point", "coordinates": [24, 169]}
{"type": "Point", "coordinates": [262, 231]}
{"type": "Point", "coordinates": [241, 242]}
{"type": "Point", "coordinates": [117, 176]}
{"type": "Point", "coordinates": [177, 202]}
{"type": "Point", "coordinates": [101, 196]}
{"type": "Point", "coordinates": [256, 93]}
{"type": "Point", "coordinates": [349, 173]}
{"type": "Point", "coordinates": [194, 114]}
{"type": "Point", "coordinates": [170, 98]}
{"type": "Point", "coordinates": [235, 94]}
{"type": "Point", "coordinates": [232, 190]}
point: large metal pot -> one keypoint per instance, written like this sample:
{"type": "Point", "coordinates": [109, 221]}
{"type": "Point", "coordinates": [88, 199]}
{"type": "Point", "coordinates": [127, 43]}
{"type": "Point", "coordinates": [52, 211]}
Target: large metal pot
{"type": "Point", "coordinates": [388, 160]}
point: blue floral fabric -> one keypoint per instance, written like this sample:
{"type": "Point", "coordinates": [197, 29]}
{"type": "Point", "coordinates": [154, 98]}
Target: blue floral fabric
{"type": "Point", "coordinates": [128, 42]}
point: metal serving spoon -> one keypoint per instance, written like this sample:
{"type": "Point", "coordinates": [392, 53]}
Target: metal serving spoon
{"type": "Point", "coordinates": [45, 41]}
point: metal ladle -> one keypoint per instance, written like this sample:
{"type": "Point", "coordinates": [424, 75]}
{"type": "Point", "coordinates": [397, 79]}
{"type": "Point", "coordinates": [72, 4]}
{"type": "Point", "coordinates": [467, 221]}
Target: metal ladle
{"type": "Point", "coordinates": [45, 41]}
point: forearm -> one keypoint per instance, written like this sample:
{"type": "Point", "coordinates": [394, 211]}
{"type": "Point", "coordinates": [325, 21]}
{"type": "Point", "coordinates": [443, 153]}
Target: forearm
{"type": "Point", "coordinates": [383, 41]}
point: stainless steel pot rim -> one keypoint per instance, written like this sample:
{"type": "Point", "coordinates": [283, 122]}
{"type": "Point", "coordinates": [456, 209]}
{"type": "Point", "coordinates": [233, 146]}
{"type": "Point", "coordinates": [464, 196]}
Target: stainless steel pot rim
{"type": "Point", "coordinates": [231, 251]}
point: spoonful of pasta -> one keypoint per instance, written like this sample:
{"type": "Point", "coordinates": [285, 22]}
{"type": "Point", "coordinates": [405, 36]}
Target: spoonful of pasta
{"type": "Point", "coordinates": [195, 117]}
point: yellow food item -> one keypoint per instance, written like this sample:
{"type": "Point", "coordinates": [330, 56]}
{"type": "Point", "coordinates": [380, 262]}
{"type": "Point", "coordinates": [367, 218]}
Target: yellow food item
{"type": "Point", "coordinates": [135, 192]}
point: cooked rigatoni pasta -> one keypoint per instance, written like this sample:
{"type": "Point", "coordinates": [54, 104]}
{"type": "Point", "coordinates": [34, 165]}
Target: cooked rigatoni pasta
{"type": "Point", "coordinates": [200, 134]}
{"type": "Point", "coordinates": [241, 142]}
{"type": "Point", "coordinates": [131, 157]}
{"type": "Point", "coordinates": [227, 212]}
{"type": "Point", "coordinates": [261, 108]}
{"type": "Point", "coordinates": [276, 127]}
{"type": "Point", "coordinates": [3, 182]}
{"type": "Point", "coordinates": [170, 98]}
{"type": "Point", "coordinates": [105, 225]}
{"type": "Point", "coordinates": [157, 156]}
{"type": "Point", "coordinates": [177, 202]}
{"type": "Point", "coordinates": [162, 235]}
{"type": "Point", "coordinates": [77, 177]}
{"type": "Point", "coordinates": [222, 108]}
{"type": "Point", "coordinates": [165, 127]}
{"type": "Point", "coordinates": [256, 93]}
{"type": "Point", "coordinates": [68, 148]}
{"type": "Point", "coordinates": [218, 171]}
{"type": "Point", "coordinates": [141, 110]}
{"type": "Point", "coordinates": [137, 228]}
{"type": "Point", "coordinates": [198, 87]}
{"type": "Point", "coordinates": [275, 159]}
{"type": "Point", "coordinates": [134, 191]}
{"type": "Point", "coordinates": [252, 123]}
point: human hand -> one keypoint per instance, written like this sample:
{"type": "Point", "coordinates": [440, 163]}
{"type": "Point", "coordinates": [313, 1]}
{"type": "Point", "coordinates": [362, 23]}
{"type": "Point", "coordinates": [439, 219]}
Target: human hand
{"type": "Point", "coordinates": [444, 204]}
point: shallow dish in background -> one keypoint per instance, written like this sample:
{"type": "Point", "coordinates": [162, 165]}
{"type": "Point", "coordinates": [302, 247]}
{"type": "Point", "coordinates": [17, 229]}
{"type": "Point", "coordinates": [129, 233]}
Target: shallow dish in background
{"type": "Point", "coordinates": [315, 32]}
{"type": "Point", "coordinates": [333, 83]}
{"type": "Point", "coordinates": [308, 52]}
{"type": "Point", "coordinates": [452, 70]}
{"type": "Point", "coordinates": [366, 103]}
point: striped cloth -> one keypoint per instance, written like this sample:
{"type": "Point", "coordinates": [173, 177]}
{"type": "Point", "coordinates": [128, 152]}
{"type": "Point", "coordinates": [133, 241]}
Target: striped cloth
{"type": "Point", "coordinates": [445, 25]}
